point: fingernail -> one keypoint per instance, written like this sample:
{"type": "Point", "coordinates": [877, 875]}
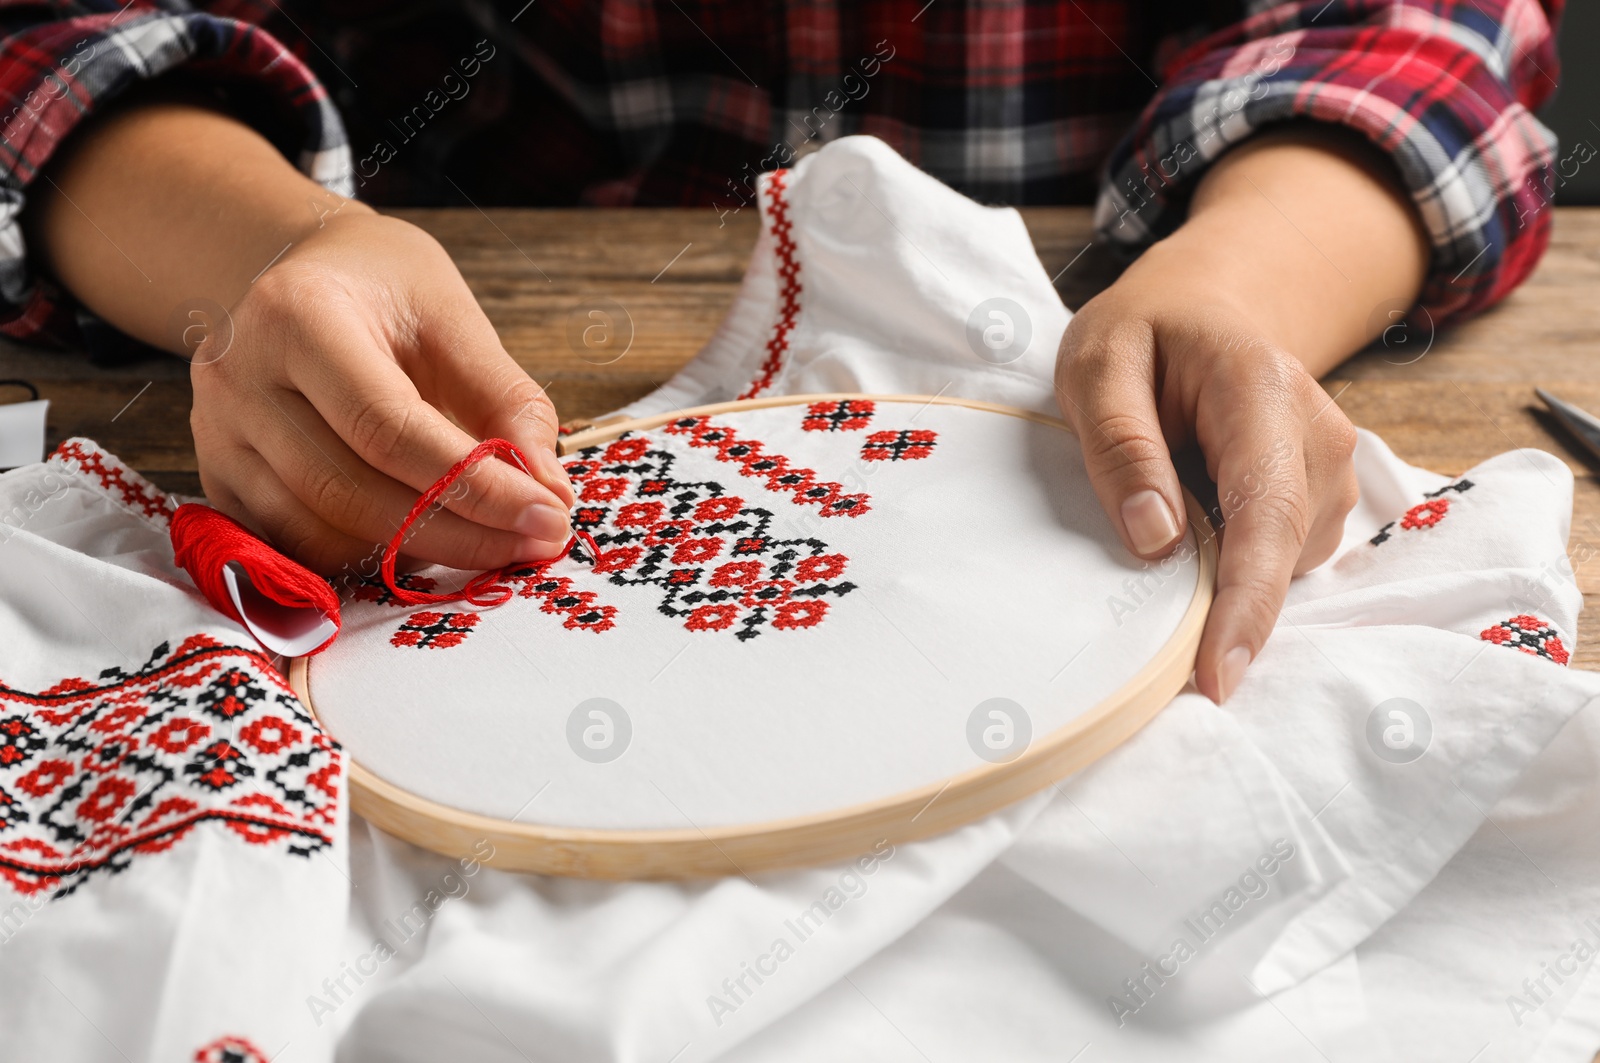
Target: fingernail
{"type": "Point", "coordinates": [1231, 670]}
{"type": "Point", "coordinates": [1149, 522]}
{"type": "Point", "coordinates": [544, 522]}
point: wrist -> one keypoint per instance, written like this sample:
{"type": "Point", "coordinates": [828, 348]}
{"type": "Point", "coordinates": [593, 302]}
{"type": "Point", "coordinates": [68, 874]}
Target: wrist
{"type": "Point", "coordinates": [1308, 232]}
{"type": "Point", "coordinates": [197, 203]}
{"type": "Point", "coordinates": [1226, 256]}
{"type": "Point", "coordinates": [288, 213]}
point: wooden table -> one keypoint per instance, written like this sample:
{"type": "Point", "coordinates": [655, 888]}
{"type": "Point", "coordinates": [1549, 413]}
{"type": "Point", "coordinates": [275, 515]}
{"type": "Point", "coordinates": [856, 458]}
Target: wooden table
{"type": "Point", "coordinates": [675, 272]}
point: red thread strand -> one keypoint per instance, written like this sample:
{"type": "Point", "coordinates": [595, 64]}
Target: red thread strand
{"type": "Point", "coordinates": [486, 589]}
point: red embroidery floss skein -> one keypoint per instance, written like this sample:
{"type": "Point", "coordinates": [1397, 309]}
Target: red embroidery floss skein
{"type": "Point", "coordinates": [204, 542]}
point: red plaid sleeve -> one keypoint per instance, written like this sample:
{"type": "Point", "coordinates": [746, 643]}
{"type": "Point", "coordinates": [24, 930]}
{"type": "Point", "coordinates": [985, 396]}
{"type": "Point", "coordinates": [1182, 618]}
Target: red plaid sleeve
{"type": "Point", "coordinates": [61, 62]}
{"type": "Point", "coordinates": [1445, 88]}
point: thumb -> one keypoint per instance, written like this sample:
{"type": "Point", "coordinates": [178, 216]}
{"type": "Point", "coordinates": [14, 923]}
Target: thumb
{"type": "Point", "coordinates": [1109, 399]}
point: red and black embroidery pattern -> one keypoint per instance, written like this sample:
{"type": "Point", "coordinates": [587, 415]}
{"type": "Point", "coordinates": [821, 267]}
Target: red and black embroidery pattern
{"type": "Point", "coordinates": [560, 595]}
{"type": "Point", "coordinates": [129, 763]}
{"type": "Point", "coordinates": [230, 1050]}
{"type": "Point", "coordinates": [773, 469]}
{"type": "Point", "coordinates": [716, 557]}
{"type": "Point", "coordinates": [847, 415]}
{"type": "Point", "coordinates": [82, 456]}
{"type": "Point", "coordinates": [788, 263]}
{"type": "Point", "coordinates": [11, 812]}
{"type": "Point", "coordinates": [1530, 635]}
{"type": "Point", "coordinates": [1425, 514]}
{"type": "Point", "coordinates": [902, 445]}
{"type": "Point", "coordinates": [19, 740]}
{"type": "Point", "coordinates": [434, 631]}
{"type": "Point", "coordinates": [374, 590]}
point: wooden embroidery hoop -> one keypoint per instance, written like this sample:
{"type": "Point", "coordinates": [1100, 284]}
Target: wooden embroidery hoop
{"type": "Point", "coordinates": [808, 840]}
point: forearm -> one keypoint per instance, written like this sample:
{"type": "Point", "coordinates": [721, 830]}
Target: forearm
{"type": "Point", "coordinates": [1309, 229]}
{"type": "Point", "coordinates": [161, 202]}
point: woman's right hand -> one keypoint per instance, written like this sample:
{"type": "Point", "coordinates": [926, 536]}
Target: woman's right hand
{"type": "Point", "coordinates": [319, 415]}
{"type": "Point", "coordinates": [320, 397]}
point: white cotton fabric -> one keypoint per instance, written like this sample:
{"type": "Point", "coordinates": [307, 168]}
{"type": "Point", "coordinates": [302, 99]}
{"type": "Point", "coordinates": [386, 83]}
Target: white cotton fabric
{"type": "Point", "coordinates": [1110, 864]}
{"type": "Point", "coordinates": [1359, 908]}
{"type": "Point", "coordinates": [186, 947]}
{"type": "Point", "coordinates": [873, 702]}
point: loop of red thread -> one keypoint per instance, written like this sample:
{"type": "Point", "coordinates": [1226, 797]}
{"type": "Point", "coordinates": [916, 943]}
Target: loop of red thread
{"type": "Point", "coordinates": [484, 589]}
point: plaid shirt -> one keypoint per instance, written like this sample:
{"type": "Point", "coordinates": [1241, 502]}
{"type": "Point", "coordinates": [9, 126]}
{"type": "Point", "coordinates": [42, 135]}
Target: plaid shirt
{"type": "Point", "coordinates": [631, 102]}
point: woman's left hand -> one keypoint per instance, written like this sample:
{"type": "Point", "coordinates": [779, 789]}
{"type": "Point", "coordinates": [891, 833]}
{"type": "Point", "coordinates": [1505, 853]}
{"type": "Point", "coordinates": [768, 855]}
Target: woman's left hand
{"type": "Point", "coordinates": [1215, 336]}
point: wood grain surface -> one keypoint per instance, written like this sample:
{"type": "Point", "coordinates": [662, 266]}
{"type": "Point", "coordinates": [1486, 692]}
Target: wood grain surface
{"type": "Point", "coordinates": [1444, 401]}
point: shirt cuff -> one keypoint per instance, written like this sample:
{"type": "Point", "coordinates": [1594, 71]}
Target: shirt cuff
{"type": "Point", "coordinates": [53, 75]}
{"type": "Point", "coordinates": [1469, 153]}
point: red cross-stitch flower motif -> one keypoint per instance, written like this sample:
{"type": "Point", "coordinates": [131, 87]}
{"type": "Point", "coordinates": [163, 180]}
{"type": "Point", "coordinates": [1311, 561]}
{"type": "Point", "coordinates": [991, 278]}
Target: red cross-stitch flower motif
{"type": "Point", "coordinates": [639, 515]}
{"type": "Point", "coordinates": [269, 734]}
{"type": "Point", "coordinates": [133, 762]}
{"type": "Point", "coordinates": [903, 445]}
{"type": "Point", "coordinates": [632, 448]}
{"type": "Point", "coordinates": [435, 631]}
{"type": "Point", "coordinates": [1530, 635]}
{"type": "Point", "coordinates": [230, 1050]}
{"type": "Point", "coordinates": [696, 550]}
{"type": "Point", "coordinates": [1425, 514]}
{"type": "Point", "coordinates": [800, 614]}
{"type": "Point", "coordinates": [106, 799]}
{"type": "Point", "coordinates": [712, 617]}
{"type": "Point", "coordinates": [825, 567]}
{"type": "Point", "coordinates": [725, 508]}
{"type": "Point", "coordinates": [604, 490]}
{"type": "Point", "coordinates": [845, 415]}
{"type": "Point", "coordinates": [44, 779]}
{"type": "Point", "coordinates": [179, 734]}
{"type": "Point", "coordinates": [738, 573]}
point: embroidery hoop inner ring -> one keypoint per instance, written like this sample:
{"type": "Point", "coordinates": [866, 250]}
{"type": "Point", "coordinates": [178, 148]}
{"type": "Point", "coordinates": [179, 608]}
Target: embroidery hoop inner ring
{"type": "Point", "coordinates": [801, 841]}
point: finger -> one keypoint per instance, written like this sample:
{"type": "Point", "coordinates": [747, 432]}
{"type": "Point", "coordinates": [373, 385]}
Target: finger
{"type": "Point", "coordinates": [1336, 498]}
{"type": "Point", "coordinates": [489, 393]}
{"type": "Point", "coordinates": [1107, 392]}
{"type": "Point", "coordinates": [1332, 476]}
{"type": "Point", "coordinates": [332, 481]}
{"type": "Point", "coordinates": [376, 410]}
{"type": "Point", "coordinates": [1266, 533]}
{"type": "Point", "coordinates": [278, 516]}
